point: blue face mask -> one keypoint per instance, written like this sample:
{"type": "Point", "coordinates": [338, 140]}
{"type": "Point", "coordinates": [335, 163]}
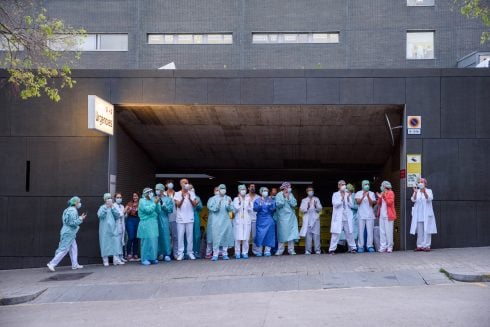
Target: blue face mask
{"type": "Point", "coordinates": [382, 188]}
{"type": "Point", "coordinates": [365, 187]}
{"type": "Point", "coordinates": [79, 205]}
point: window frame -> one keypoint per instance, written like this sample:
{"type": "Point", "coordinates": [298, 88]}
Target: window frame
{"type": "Point", "coordinates": [202, 37]}
{"type": "Point", "coordinates": [421, 31]}
{"type": "Point", "coordinates": [299, 37]}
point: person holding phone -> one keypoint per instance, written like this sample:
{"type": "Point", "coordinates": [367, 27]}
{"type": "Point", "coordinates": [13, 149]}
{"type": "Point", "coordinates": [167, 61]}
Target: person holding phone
{"type": "Point", "coordinates": [109, 237]}
{"type": "Point", "coordinates": [68, 244]}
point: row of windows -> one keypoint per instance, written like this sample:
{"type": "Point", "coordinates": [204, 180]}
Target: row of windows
{"type": "Point", "coordinates": [420, 44]}
{"type": "Point", "coordinates": [414, 3]}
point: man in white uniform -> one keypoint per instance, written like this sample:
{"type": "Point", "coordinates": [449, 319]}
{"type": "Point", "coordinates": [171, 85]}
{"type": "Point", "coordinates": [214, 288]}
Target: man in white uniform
{"type": "Point", "coordinates": [366, 200]}
{"type": "Point", "coordinates": [250, 197]}
{"type": "Point", "coordinates": [311, 208]}
{"type": "Point", "coordinates": [185, 202]}
{"type": "Point", "coordinates": [172, 218]}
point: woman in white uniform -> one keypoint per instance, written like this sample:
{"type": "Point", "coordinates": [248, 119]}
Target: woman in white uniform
{"type": "Point", "coordinates": [243, 208]}
{"type": "Point", "coordinates": [311, 208]}
{"type": "Point", "coordinates": [423, 219]}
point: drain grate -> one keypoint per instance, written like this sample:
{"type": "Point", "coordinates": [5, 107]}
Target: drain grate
{"type": "Point", "coordinates": [66, 276]}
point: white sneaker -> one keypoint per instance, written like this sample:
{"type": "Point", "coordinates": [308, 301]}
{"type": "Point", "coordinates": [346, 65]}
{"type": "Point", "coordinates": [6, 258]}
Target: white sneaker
{"type": "Point", "coordinates": [50, 267]}
{"type": "Point", "coordinates": [307, 252]}
{"type": "Point", "coordinates": [105, 261]}
{"type": "Point", "coordinates": [192, 256]}
{"type": "Point", "coordinates": [77, 267]}
{"type": "Point", "coordinates": [279, 253]}
{"type": "Point", "coordinates": [121, 258]}
{"type": "Point", "coordinates": [117, 262]}
{"type": "Point", "coordinates": [180, 257]}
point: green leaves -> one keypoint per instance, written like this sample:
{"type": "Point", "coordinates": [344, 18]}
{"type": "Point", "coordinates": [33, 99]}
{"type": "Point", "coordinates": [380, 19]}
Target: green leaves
{"type": "Point", "coordinates": [35, 56]}
{"type": "Point", "coordinates": [476, 9]}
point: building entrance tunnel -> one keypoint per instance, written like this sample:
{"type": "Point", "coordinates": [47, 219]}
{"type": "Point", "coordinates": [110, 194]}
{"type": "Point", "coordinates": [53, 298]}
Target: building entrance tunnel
{"type": "Point", "coordinates": [266, 145]}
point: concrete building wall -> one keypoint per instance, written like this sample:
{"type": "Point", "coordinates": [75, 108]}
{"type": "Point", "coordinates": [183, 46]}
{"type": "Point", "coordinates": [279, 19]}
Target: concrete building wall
{"type": "Point", "coordinates": [372, 33]}
{"type": "Point", "coordinates": [68, 159]}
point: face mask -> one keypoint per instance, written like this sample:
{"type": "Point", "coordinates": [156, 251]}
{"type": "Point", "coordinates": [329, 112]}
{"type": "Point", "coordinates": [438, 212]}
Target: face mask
{"type": "Point", "coordinates": [170, 186]}
{"type": "Point", "coordinates": [222, 191]}
{"type": "Point", "coordinates": [108, 201]}
{"type": "Point", "coordinates": [118, 201]}
{"type": "Point", "coordinates": [158, 192]}
{"type": "Point", "coordinates": [243, 192]}
{"type": "Point", "coordinates": [290, 190]}
{"type": "Point", "coordinates": [79, 205]}
{"type": "Point", "coordinates": [265, 194]}
{"type": "Point", "coordinates": [343, 188]}
{"type": "Point", "coordinates": [382, 188]}
{"type": "Point", "coordinates": [365, 187]}
{"type": "Point", "coordinates": [187, 187]}
{"type": "Point", "coordinates": [420, 186]}
{"type": "Point", "coordinates": [310, 193]}
{"type": "Point", "coordinates": [216, 193]}
{"type": "Point", "coordinates": [252, 190]}
{"type": "Point", "coordinates": [151, 194]}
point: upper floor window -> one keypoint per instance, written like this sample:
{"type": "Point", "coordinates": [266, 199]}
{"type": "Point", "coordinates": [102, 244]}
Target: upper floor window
{"type": "Point", "coordinates": [420, 45]}
{"type": "Point", "coordinates": [414, 3]}
{"type": "Point", "coordinates": [190, 38]}
{"type": "Point", "coordinates": [90, 42]}
{"type": "Point", "coordinates": [290, 37]}
{"type": "Point", "coordinates": [7, 44]}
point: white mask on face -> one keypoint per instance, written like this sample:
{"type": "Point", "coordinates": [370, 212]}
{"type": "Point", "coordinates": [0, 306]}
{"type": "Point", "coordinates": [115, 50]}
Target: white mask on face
{"type": "Point", "coordinates": [79, 205]}
{"type": "Point", "coordinates": [420, 186]}
{"type": "Point", "coordinates": [243, 192]}
{"type": "Point", "coordinates": [151, 194]}
{"type": "Point", "coordinates": [290, 190]}
{"type": "Point", "coordinates": [170, 186]}
{"type": "Point", "coordinates": [118, 200]}
{"type": "Point", "coordinates": [108, 201]}
{"type": "Point", "coordinates": [222, 191]}
{"type": "Point", "coordinates": [187, 187]}
{"type": "Point", "coordinates": [265, 194]}
{"type": "Point", "coordinates": [343, 188]}
{"type": "Point", "coordinates": [158, 192]}
{"type": "Point", "coordinates": [310, 193]}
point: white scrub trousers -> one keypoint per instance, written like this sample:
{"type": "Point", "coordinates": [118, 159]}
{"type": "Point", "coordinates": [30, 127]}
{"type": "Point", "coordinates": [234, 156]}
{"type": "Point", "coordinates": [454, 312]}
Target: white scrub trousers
{"type": "Point", "coordinates": [244, 247]}
{"type": "Point", "coordinates": [316, 240]}
{"type": "Point", "coordinates": [187, 229]}
{"type": "Point", "coordinates": [220, 250]}
{"type": "Point", "coordinates": [369, 225]}
{"type": "Point", "coordinates": [334, 239]}
{"type": "Point", "coordinates": [73, 251]}
{"type": "Point", "coordinates": [282, 246]}
{"type": "Point", "coordinates": [386, 234]}
{"type": "Point", "coordinates": [423, 239]}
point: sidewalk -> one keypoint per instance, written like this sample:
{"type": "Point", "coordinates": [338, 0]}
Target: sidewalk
{"type": "Point", "coordinates": [203, 277]}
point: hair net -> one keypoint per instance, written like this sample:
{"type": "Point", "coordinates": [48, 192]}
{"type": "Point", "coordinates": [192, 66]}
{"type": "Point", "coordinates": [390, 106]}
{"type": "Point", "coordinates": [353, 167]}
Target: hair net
{"type": "Point", "coordinates": [73, 200]}
{"type": "Point", "coordinates": [107, 196]}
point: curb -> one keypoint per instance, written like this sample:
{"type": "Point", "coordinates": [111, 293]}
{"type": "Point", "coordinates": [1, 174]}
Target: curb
{"type": "Point", "coordinates": [467, 278]}
{"type": "Point", "coordinates": [20, 299]}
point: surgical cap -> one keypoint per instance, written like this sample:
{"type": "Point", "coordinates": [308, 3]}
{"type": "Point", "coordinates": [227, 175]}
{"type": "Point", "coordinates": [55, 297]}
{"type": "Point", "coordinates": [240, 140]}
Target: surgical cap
{"type": "Point", "coordinates": [242, 187]}
{"type": "Point", "coordinates": [159, 186]}
{"type": "Point", "coordinates": [422, 180]}
{"type": "Point", "coordinates": [222, 187]}
{"type": "Point", "coordinates": [285, 185]}
{"type": "Point", "coordinates": [263, 188]}
{"type": "Point", "coordinates": [146, 190]}
{"type": "Point", "coordinates": [386, 184]}
{"type": "Point", "coordinates": [350, 188]}
{"type": "Point", "coordinates": [74, 200]}
{"type": "Point", "coordinates": [107, 196]}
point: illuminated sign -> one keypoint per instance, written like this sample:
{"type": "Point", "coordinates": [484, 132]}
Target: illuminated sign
{"type": "Point", "coordinates": [100, 115]}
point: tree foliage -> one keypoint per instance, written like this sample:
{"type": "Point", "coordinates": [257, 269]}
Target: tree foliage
{"type": "Point", "coordinates": [38, 51]}
{"type": "Point", "coordinates": [477, 9]}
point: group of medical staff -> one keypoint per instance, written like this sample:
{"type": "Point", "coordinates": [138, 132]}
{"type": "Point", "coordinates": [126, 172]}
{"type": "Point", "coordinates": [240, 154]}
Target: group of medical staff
{"type": "Point", "coordinates": [165, 224]}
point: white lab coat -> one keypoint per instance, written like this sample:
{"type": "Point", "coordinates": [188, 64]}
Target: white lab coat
{"type": "Point", "coordinates": [243, 209]}
{"type": "Point", "coordinates": [338, 210]}
{"type": "Point", "coordinates": [428, 213]}
{"type": "Point", "coordinates": [311, 216]}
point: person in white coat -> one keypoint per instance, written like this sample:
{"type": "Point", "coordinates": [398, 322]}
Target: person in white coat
{"type": "Point", "coordinates": [311, 208]}
{"type": "Point", "coordinates": [185, 202]}
{"type": "Point", "coordinates": [366, 201]}
{"type": "Point", "coordinates": [172, 218]}
{"type": "Point", "coordinates": [423, 218]}
{"type": "Point", "coordinates": [341, 218]}
{"type": "Point", "coordinates": [243, 208]}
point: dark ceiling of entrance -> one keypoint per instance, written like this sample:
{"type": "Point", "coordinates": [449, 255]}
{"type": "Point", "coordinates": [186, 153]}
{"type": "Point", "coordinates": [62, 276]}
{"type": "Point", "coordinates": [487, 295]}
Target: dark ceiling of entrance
{"type": "Point", "coordinates": [262, 137]}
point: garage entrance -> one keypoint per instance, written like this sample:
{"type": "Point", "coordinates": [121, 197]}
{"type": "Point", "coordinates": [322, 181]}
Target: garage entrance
{"type": "Point", "coordinates": [268, 144]}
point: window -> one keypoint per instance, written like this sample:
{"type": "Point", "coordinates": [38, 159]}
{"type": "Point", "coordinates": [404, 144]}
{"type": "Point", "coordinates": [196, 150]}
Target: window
{"type": "Point", "coordinates": [420, 45]}
{"type": "Point", "coordinates": [190, 38]}
{"type": "Point", "coordinates": [90, 42]}
{"type": "Point", "coordinates": [7, 44]}
{"type": "Point", "coordinates": [304, 37]}
{"type": "Point", "coordinates": [414, 3]}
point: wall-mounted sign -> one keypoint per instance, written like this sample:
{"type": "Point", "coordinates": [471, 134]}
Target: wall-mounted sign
{"type": "Point", "coordinates": [100, 115]}
{"type": "Point", "coordinates": [414, 169]}
{"type": "Point", "coordinates": [414, 125]}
